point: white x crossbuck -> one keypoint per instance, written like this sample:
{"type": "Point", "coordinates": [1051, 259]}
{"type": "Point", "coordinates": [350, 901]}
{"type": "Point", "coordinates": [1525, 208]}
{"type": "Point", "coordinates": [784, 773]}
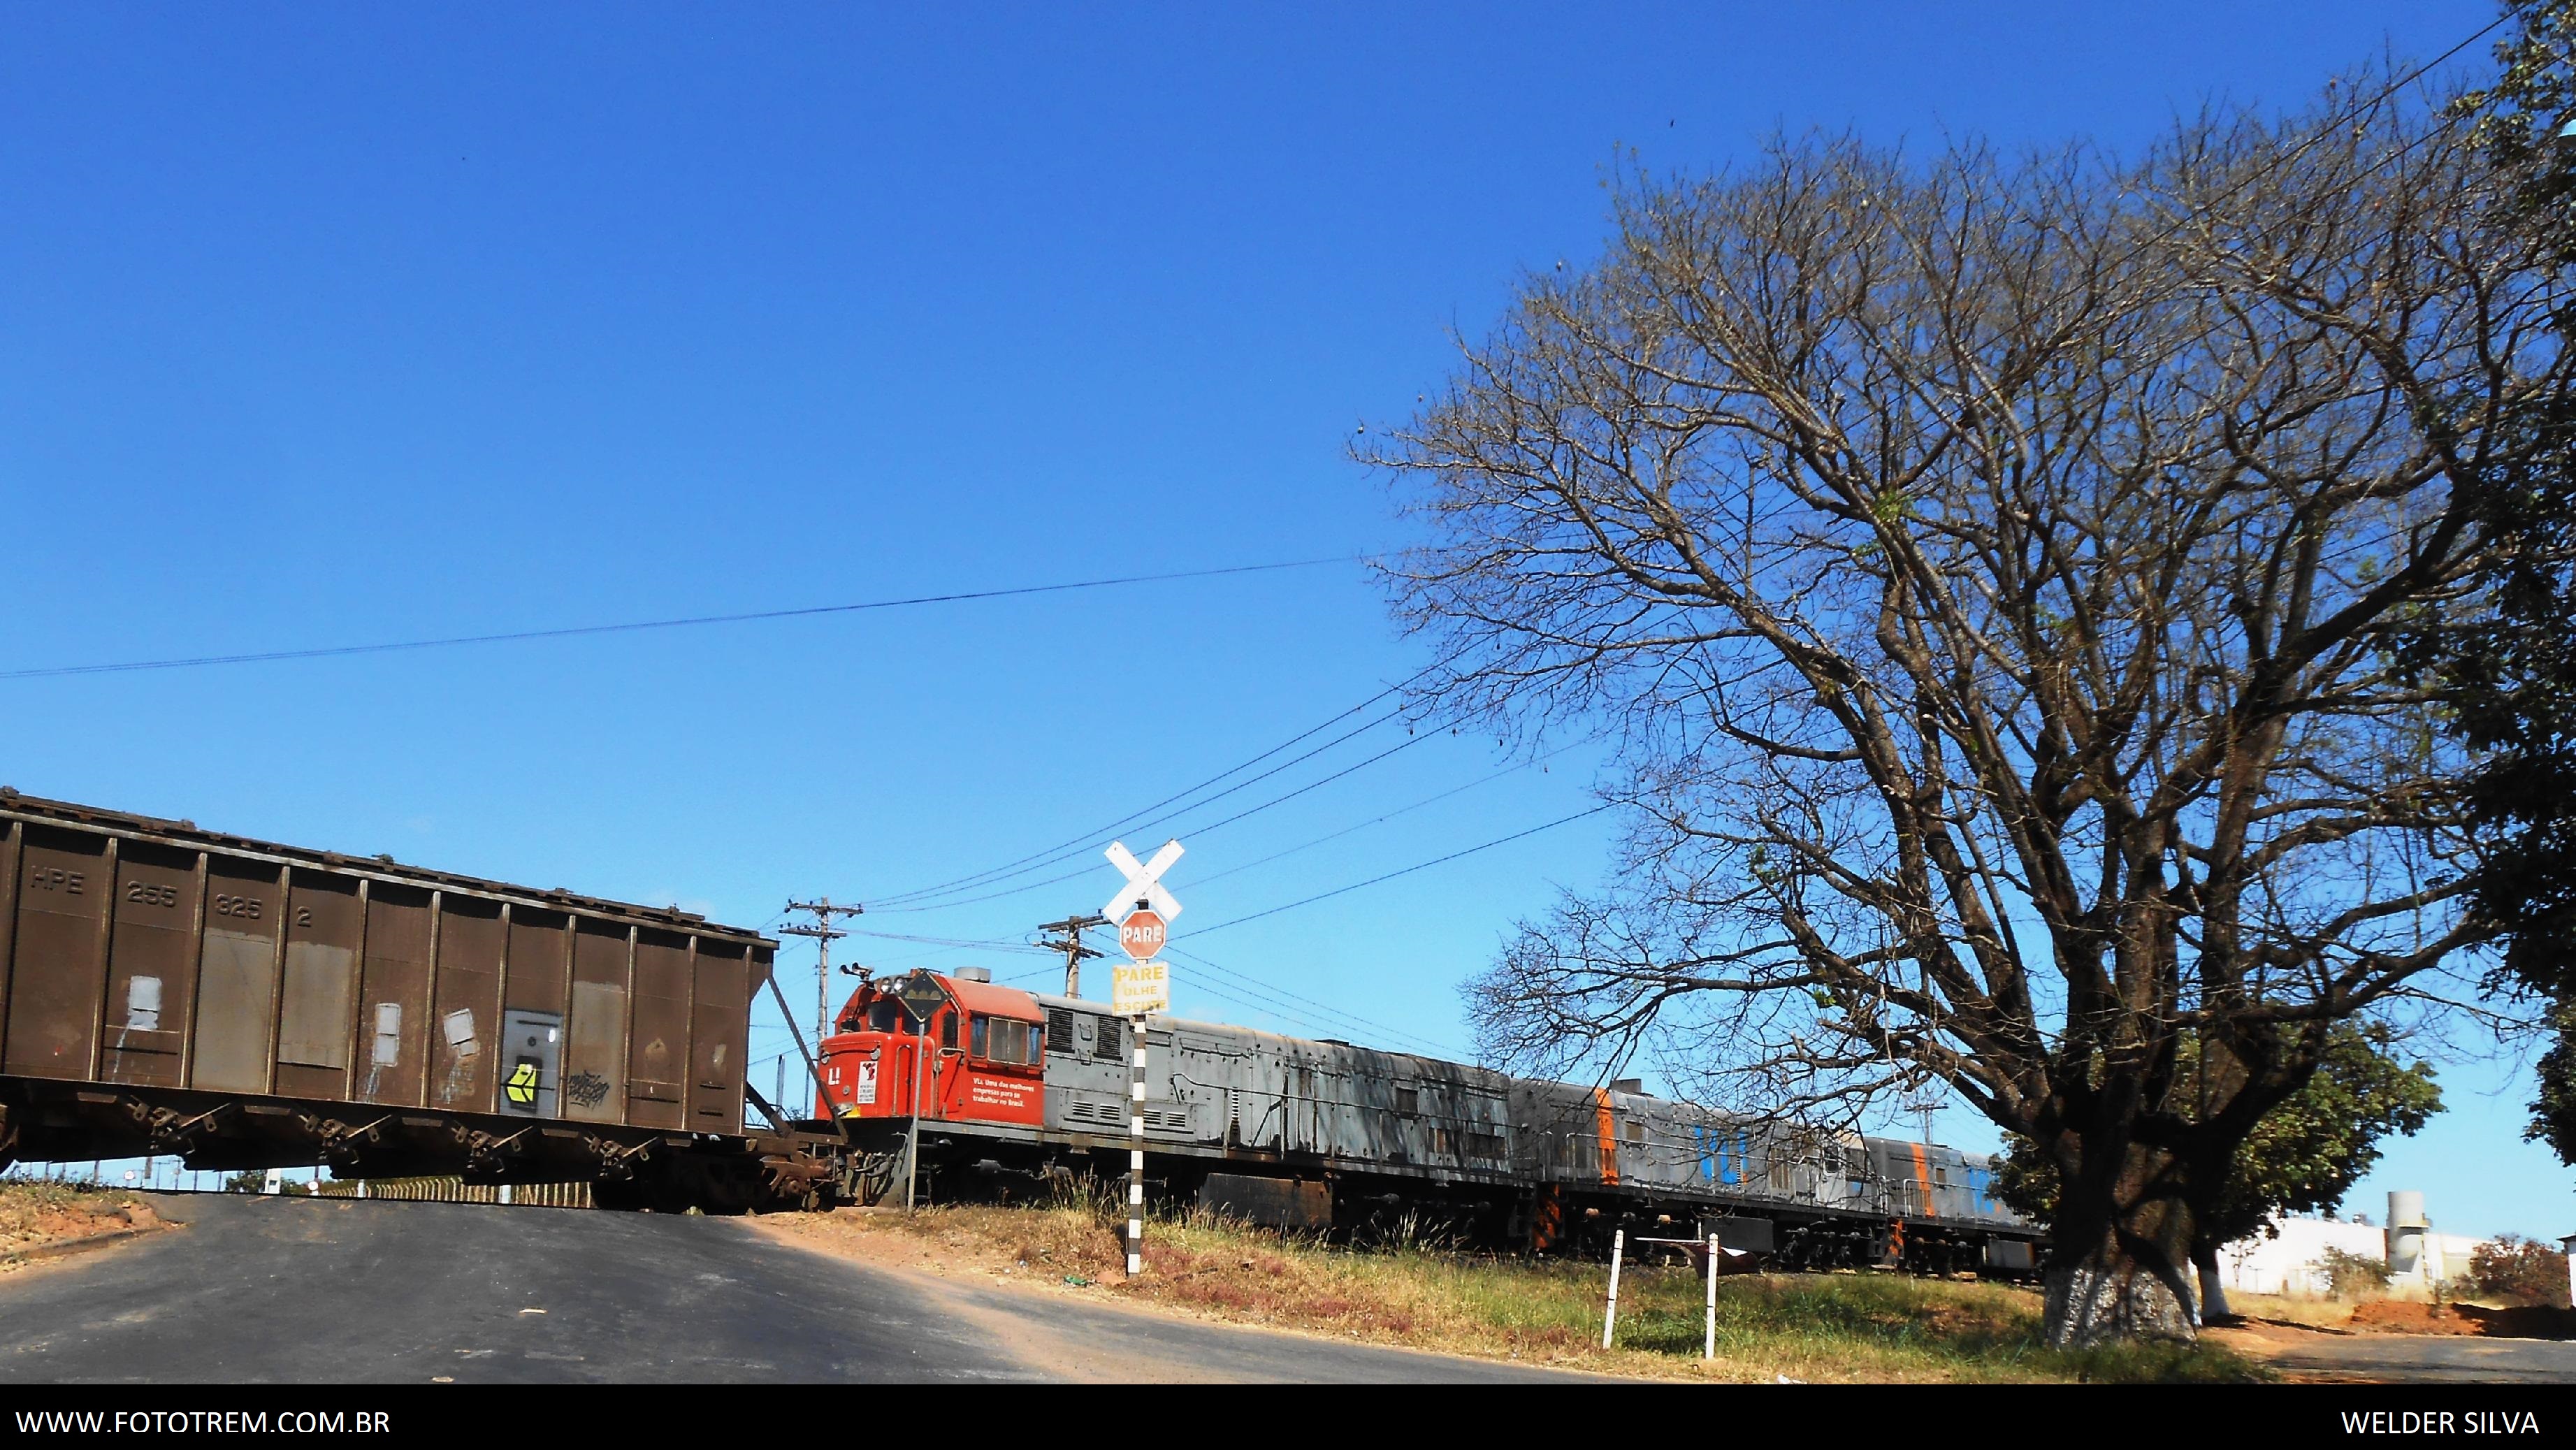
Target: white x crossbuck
{"type": "Point", "coordinates": [1143, 881]}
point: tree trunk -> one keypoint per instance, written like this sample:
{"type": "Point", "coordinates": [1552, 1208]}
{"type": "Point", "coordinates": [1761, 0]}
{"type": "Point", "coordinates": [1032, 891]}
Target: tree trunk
{"type": "Point", "coordinates": [2116, 1271]}
{"type": "Point", "coordinates": [2213, 1295]}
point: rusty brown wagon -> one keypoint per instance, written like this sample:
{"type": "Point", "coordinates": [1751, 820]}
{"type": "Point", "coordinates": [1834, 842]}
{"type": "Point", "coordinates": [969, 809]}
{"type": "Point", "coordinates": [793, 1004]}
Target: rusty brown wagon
{"type": "Point", "coordinates": [243, 1004]}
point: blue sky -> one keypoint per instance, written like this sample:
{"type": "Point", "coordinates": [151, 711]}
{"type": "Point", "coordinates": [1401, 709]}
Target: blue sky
{"type": "Point", "coordinates": [327, 326]}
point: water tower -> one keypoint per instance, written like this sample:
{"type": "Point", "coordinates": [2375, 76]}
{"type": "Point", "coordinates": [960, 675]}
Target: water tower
{"type": "Point", "coordinates": [2406, 1238]}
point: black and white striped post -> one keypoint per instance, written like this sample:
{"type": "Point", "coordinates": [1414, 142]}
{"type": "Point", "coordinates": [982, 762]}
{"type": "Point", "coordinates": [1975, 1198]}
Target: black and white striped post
{"type": "Point", "coordinates": [1136, 1155]}
{"type": "Point", "coordinates": [1135, 991]}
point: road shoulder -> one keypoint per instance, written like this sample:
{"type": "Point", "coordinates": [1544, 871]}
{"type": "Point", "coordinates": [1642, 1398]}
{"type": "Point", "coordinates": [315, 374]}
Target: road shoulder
{"type": "Point", "coordinates": [1074, 1331]}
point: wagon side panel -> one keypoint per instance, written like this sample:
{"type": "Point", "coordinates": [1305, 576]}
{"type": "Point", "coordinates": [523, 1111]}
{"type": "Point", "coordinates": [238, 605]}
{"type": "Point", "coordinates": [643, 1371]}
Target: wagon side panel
{"type": "Point", "coordinates": [326, 924]}
{"type": "Point", "coordinates": [464, 1036]}
{"type": "Point", "coordinates": [719, 1029]}
{"type": "Point", "coordinates": [394, 1019]}
{"type": "Point", "coordinates": [657, 1055]}
{"type": "Point", "coordinates": [152, 960]}
{"type": "Point", "coordinates": [60, 981]}
{"type": "Point", "coordinates": [595, 1052]}
{"type": "Point", "coordinates": [237, 972]}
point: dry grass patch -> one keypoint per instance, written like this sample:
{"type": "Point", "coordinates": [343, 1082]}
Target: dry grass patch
{"type": "Point", "coordinates": [35, 1214]}
{"type": "Point", "coordinates": [1804, 1327]}
{"type": "Point", "coordinates": [2314, 1312]}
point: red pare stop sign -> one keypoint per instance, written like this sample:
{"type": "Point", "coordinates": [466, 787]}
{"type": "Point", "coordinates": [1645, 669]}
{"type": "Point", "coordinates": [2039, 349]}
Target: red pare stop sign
{"type": "Point", "coordinates": [1142, 934]}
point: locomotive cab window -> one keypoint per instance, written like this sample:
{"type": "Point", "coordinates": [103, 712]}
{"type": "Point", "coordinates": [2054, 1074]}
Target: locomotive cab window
{"type": "Point", "coordinates": [1007, 1040]}
{"type": "Point", "coordinates": [886, 1015]}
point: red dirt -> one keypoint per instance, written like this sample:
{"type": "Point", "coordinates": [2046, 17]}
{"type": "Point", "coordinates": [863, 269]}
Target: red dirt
{"type": "Point", "coordinates": [2517, 1322]}
{"type": "Point", "coordinates": [30, 1225]}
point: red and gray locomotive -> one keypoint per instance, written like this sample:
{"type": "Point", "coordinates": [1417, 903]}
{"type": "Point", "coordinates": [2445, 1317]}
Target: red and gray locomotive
{"type": "Point", "coordinates": [1015, 1086]}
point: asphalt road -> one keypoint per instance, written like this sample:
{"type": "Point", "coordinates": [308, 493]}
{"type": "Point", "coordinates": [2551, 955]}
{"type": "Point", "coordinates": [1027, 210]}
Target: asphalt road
{"type": "Point", "coordinates": [2433, 1359]}
{"type": "Point", "coordinates": [298, 1290]}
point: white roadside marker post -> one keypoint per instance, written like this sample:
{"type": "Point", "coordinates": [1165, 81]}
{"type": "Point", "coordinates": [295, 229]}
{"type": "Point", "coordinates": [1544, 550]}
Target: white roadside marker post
{"type": "Point", "coordinates": [1708, 1346]}
{"type": "Point", "coordinates": [1610, 1315]}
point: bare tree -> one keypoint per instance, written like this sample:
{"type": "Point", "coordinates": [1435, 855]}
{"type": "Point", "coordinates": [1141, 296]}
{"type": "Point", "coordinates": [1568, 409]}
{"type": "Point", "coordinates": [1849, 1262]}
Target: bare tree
{"type": "Point", "coordinates": [1987, 571]}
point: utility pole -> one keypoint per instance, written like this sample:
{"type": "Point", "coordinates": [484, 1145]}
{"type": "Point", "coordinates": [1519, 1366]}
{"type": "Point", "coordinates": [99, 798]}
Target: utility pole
{"type": "Point", "coordinates": [1068, 940]}
{"type": "Point", "coordinates": [824, 934]}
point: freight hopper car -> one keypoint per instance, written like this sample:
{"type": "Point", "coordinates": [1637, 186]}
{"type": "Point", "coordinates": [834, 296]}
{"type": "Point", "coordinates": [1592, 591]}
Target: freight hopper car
{"type": "Point", "coordinates": [1019, 1087]}
{"type": "Point", "coordinates": [242, 1004]}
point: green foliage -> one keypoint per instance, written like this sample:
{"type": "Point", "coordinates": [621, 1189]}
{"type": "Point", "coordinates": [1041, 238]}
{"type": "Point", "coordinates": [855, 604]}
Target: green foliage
{"type": "Point", "coordinates": [2553, 1110]}
{"type": "Point", "coordinates": [2511, 676]}
{"type": "Point", "coordinates": [2304, 1155]}
{"type": "Point", "coordinates": [2353, 1276]}
{"type": "Point", "coordinates": [2518, 1271]}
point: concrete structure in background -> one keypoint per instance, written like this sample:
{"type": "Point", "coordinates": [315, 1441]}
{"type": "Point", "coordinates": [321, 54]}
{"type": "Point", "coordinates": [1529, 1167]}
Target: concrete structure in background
{"type": "Point", "coordinates": [2293, 1262]}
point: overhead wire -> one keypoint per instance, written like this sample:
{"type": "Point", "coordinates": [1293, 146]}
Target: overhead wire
{"type": "Point", "coordinates": [634, 626]}
{"type": "Point", "coordinates": [1079, 846]}
{"type": "Point", "coordinates": [1277, 1003]}
{"type": "Point", "coordinates": [1087, 869]}
{"type": "Point", "coordinates": [987, 944]}
{"type": "Point", "coordinates": [1290, 1002]}
{"type": "Point", "coordinates": [1406, 871]}
{"type": "Point", "coordinates": [1281, 996]}
{"type": "Point", "coordinates": [1040, 859]}
{"type": "Point", "coordinates": [1513, 769]}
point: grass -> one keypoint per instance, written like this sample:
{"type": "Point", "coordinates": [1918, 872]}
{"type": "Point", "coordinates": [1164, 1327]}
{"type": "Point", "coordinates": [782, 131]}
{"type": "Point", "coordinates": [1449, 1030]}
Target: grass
{"type": "Point", "coordinates": [1813, 1327]}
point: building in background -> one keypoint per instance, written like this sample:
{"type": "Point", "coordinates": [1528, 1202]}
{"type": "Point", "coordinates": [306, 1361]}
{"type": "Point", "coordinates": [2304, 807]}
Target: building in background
{"type": "Point", "coordinates": [2294, 1261]}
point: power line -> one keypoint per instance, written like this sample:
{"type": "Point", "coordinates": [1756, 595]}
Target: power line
{"type": "Point", "coordinates": [1276, 1002]}
{"type": "Point", "coordinates": [1084, 850]}
{"type": "Point", "coordinates": [577, 631]}
{"type": "Point", "coordinates": [1040, 859]}
{"type": "Point", "coordinates": [1067, 938]}
{"type": "Point", "coordinates": [1063, 850]}
{"type": "Point", "coordinates": [1383, 819]}
{"type": "Point", "coordinates": [1251, 983]}
{"type": "Point", "coordinates": [824, 934]}
{"type": "Point", "coordinates": [951, 941]}
{"type": "Point", "coordinates": [1407, 871]}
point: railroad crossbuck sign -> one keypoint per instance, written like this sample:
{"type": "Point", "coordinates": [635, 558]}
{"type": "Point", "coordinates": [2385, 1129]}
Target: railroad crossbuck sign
{"type": "Point", "coordinates": [1144, 912]}
{"type": "Point", "coordinates": [1144, 882]}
